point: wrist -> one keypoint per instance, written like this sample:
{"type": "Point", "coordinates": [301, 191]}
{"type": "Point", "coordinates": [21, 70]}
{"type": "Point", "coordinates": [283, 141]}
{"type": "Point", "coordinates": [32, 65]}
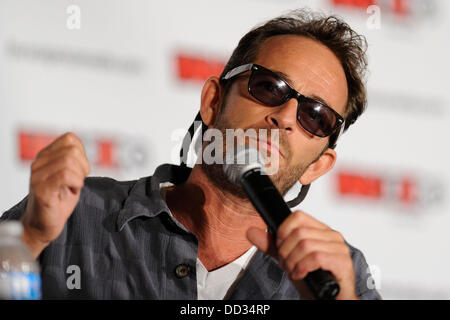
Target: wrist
{"type": "Point", "coordinates": [347, 296]}
{"type": "Point", "coordinates": [34, 243]}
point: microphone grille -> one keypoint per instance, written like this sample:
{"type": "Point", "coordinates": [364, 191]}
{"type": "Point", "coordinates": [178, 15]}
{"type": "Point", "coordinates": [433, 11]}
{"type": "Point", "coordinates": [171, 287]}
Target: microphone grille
{"type": "Point", "coordinates": [240, 160]}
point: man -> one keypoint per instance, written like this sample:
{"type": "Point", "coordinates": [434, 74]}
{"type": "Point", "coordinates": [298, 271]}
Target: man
{"type": "Point", "coordinates": [197, 236]}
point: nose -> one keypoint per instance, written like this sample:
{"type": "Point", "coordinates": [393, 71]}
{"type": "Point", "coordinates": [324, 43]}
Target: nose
{"type": "Point", "coordinates": [284, 117]}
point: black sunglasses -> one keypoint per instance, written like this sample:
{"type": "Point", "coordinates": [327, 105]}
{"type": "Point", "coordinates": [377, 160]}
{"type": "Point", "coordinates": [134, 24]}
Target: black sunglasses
{"type": "Point", "coordinates": [272, 90]}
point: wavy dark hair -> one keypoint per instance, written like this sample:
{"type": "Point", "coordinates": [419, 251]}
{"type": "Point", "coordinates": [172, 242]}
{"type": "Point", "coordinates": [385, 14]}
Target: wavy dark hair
{"type": "Point", "coordinates": [348, 46]}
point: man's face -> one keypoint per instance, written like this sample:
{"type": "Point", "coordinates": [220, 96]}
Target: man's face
{"type": "Point", "coordinates": [313, 70]}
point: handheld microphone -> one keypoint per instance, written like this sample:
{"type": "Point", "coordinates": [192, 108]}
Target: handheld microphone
{"type": "Point", "coordinates": [268, 201]}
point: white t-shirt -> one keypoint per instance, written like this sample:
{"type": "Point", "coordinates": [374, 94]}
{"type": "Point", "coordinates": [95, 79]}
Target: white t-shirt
{"type": "Point", "coordinates": [215, 285]}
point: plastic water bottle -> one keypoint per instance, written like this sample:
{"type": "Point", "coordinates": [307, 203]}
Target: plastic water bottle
{"type": "Point", "coordinates": [19, 272]}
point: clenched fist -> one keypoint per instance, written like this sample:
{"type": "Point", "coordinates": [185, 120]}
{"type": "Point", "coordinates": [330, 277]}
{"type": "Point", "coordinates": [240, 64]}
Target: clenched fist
{"type": "Point", "coordinates": [57, 177]}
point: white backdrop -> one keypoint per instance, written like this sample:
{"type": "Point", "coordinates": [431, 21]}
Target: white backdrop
{"type": "Point", "coordinates": [130, 77]}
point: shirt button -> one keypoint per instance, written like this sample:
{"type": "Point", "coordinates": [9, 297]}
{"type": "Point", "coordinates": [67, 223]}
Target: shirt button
{"type": "Point", "coordinates": [182, 270]}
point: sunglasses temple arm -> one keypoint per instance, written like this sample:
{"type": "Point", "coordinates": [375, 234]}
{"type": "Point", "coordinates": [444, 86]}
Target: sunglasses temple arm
{"type": "Point", "coordinates": [300, 197]}
{"type": "Point", "coordinates": [341, 131]}
{"type": "Point", "coordinates": [305, 188]}
{"type": "Point", "coordinates": [187, 140]}
{"type": "Point", "coordinates": [230, 74]}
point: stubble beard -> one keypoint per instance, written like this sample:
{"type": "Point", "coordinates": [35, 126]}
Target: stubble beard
{"type": "Point", "coordinates": [283, 179]}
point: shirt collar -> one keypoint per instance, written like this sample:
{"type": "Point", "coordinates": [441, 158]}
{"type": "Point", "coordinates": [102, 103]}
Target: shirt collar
{"type": "Point", "coordinates": [145, 198]}
{"type": "Point", "coordinates": [262, 279]}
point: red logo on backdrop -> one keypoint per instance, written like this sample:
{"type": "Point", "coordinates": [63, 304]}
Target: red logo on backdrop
{"type": "Point", "coordinates": [31, 143]}
{"type": "Point", "coordinates": [402, 189]}
{"type": "Point", "coordinates": [199, 69]}
{"type": "Point", "coordinates": [357, 184]}
{"type": "Point", "coordinates": [102, 153]}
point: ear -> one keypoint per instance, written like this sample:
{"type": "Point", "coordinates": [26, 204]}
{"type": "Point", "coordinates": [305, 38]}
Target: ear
{"type": "Point", "coordinates": [319, 167]}
{"type": "Point", "coordinates": [210, 100]}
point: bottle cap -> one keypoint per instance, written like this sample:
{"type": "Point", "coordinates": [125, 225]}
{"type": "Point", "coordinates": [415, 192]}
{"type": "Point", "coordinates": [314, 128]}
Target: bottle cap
{"type": "Point", "coordinates": [11, 228]}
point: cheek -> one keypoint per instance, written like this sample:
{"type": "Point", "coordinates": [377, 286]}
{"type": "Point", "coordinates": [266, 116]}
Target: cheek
{"type": "Point", "coordinates": [305, 151]}
{"type": "Point", "coordinates": [241, 113]}
{"type": "Point", "coordinates": [241, 108]}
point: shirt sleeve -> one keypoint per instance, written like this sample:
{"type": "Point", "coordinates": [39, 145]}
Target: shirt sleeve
{"type": "Point", "coordinates": [16, 212]}
{"type": "Point", "coordinates": [364, 285]}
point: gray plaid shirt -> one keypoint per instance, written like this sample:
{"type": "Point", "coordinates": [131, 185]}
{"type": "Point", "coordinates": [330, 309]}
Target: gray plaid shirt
{"type": "Point", "coordinates": [127, 245]}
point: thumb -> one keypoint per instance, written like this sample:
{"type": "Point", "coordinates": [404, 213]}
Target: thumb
{"type": "Point", "coordinates": [262, 240]}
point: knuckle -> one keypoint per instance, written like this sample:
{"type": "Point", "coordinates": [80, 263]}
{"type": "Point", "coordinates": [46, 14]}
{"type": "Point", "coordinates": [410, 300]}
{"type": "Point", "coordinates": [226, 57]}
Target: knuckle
{"type": "Point", "coordinates": [295, 274]}
{"type": "Point", "coordinates": [64, 175]}
{"type": "Point", "coordinates": [306, 245]}
{"type": "Point", "coordinates": [289, 265]}
{"type": "Point", "coordinates": [282, 253]}
{"type": "Point", "coordinates": [317, 257]}
{"type": "Point", "coordinates": [338, 236]}
{"type": "Point", "coordinates": [33, 165]}
{"type": "Point", "coordinates": [301, 218]}
{"type": "Point", "coordinates": [298, 271]}
{"type": "Point", "coordinates": [67, 160]}
{"type": "Point", "coordinates": [301, 233]}
{"type": "Point", "coordinates": [70, 138]}
{"type": "Point", "coordinates": [40, 198]}
{"type": "Point", "coordinates": [301, 269]}
{"type": "Point", "coordinates": [297, 214]}
{"type": "Point", "coordinates": [74, 151]}
{"type": "Point", "coordinates": [281, 233]}
{"type": "Point", "coordinates": [41, 153]}
{"type": "Point", "coordinates": [347, 251]}
{"type": "Point", "coordinates": [33, 181]}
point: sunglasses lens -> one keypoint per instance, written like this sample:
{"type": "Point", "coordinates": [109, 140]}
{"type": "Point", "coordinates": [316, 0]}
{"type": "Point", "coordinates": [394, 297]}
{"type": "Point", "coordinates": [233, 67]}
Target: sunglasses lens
{"type": "Point", "coordinates": [316, 118]}
{"type": "Point", "coordinates": [268, 89]}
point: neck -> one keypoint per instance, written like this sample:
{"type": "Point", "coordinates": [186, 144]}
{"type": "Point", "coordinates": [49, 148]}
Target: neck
{"type": "Point", "coordinates": [219, 220]}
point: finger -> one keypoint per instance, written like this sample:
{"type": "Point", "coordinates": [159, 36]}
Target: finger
{"type": "Point", "coordinates": [67, 178]}
{"type": "Point", "coordinates": [303, 233]}
{"type": "Point", "coordinates": [70, 151]}
{"type": "Point", "coordinates": [308, 246]}
{"type": "Point", "coordinates": [64, 162]}
{"type": "Point", "coordinates": [340, 265]}
{"type": "Point", "coordinates": [51, 187]}
{"type": "Point", "coordinates": [336, 263]}
{"type": "Point", "coordinates": [295, 220]}
{"type": "Point", "coordinates": [66, 139]}
{"type": "Point", "coordinates": [262, 240]}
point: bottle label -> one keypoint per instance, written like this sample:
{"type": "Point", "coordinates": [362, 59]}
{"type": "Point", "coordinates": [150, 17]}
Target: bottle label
{"type": "Point", "coordinates": [20, 286]}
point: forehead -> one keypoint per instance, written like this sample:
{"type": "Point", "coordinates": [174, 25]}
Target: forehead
{"type": "Point", "coordinates": [313, 68]}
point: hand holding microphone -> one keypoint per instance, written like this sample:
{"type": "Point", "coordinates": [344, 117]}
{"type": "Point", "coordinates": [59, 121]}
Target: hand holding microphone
{"type": "Point", "coordinates": [305, 247]}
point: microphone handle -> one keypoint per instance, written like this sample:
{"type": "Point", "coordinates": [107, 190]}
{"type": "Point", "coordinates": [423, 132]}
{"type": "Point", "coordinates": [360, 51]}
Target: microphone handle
{"type": "Point", "coordinates": [268, 201]}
